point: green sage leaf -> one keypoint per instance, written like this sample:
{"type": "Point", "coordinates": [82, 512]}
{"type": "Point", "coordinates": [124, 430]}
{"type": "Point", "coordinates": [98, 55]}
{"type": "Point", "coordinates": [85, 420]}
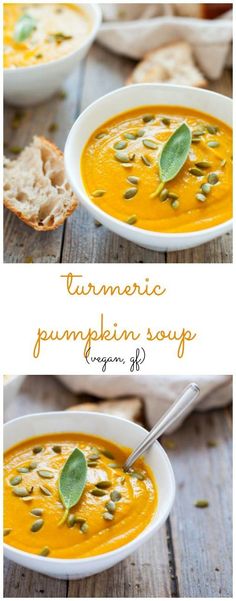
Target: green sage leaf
{"type": "Point", "coordinates": [24, 27]}
{"type": "Point", "coordinates": [174, 153]}
{"type": "Point", "coordinates": [72, 480]}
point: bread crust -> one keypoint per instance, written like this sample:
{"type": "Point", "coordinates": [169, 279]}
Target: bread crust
{"type": "Point", "coordinates": [60, 220]}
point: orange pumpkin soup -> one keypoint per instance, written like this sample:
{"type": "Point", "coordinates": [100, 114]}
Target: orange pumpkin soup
{"type": "Point", "coordinates": [41, 475]}
{"type": "Point", "coordinates": [122, 173]}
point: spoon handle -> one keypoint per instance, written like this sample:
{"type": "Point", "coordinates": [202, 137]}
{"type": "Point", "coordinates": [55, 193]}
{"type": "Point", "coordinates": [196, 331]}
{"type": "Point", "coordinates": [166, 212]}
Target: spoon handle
{"type": "Point", "coordinates": [175, 411]}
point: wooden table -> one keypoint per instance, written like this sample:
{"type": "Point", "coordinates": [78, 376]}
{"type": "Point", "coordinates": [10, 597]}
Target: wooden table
{"type": "Point", "coordinates": [190, 556]}
{"type": "Point", "coordinates": [79, 240]}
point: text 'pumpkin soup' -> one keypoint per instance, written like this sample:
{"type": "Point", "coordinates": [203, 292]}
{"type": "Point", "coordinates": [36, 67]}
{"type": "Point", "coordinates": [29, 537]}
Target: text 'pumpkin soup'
{"type": "Point", "coordinates": [164, 169]}
{"type": "Point", "coordinates": [39, 33]}
{"type": "Point", "coordinates": [67, 496]}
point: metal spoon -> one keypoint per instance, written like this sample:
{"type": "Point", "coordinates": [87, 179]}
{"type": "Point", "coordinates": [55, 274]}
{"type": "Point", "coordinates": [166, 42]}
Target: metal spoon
{"type": "Point", "coordinates": [183, 401]}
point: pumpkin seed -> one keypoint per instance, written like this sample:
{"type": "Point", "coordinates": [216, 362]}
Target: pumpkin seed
{"type": "Point", "coordinates": [122, 157]}
{"type": "Point", "coordinates": [6, 531]}
{"type": "Point", "coordinates": [97, 492]}
{"type": "Point", "coordinates": [129, 136]}
{"type": "Point", "coordinates": [223, 163]}
{"type": "Point", "coordinates": [37, 449]}
{"type": "Point", "coordinates": [84, 528]}
{"type": "Point", "coordinates": [212, 443]}
{"type": "Point", "coordinates": [213, 178]}
{"type": "Point", "coordinates": [110, 506]}
{"type": "Point", "coordinates": [131, 220]}
{"type": "Point", "coordinates": [16, 149]}
{"type": "Point", "coordinates": [36, 526]}
{"type": "Point", "coordinates": [45, 474]}
{"type": "Point", "coordinates": [138, 475]}
{"type": "Point", "coordinates": [201, 503]}
{"type": "Point", "coordinates": [115, 496]}
{"type": "Point", "coordinates": [45, 491]}
{"type": "Point", "coordinates": [20, 491]}
{"type": "Point", "coordinates": [195, 171]}
{"type": "Point", "coordinates": [212, 129]}
{"type": "Point", "coordinates": [37, 512]}
{"type": "Point", "coordinates": [101, 135]}
{"type": "Point", "coordinates": [203, 164]}
{"type": "Point", "coordinates": [132, 179]}
{"type": "Point", "coordinates": [150, 144]}
{"type": "Point", "coordinates": [140, 133]}
{"type": "Point", "coordinates": [92, 464]}
{"type": "Point", "coordinates": [79, 520]}
{"type": "Point", "coordinates": [120, 145]}
{"type": "Point", "coordinates": [146, 160]}
{"type": "Point", "coordinates": [164, 195]}
{"type": "Point", "coordinates": [23, 470]}
{"type": "Point", "coordinates": [98, 193]}
{"type": "Point", "coordinates": [148, 117]}
{"type": "Point", "coordinates": [104, 484]}
{"type": "Point", "coordinates": [175, 204]}
{"type": "Point", "coordinates": [44, 551]}
{"type": "Point", "coordinates": [94, 457]}
{"type": "Point", "coordinates": [130, 193]}
{"type": "Point", "coordinates": [213, 144]}
{"type": "Point", "coordinates": [165, 121]}
{"type": "Point", "coordinates": [173, 196]}
{"type": "Point", "coordinates": [206, 188]}
{"type": "Point", "coordinates": [114, 465]}
{"type": "Point", "coordinates": [127, 165]}
{"type": "Point", "coordinates": [15, 480]}
{"type": "Point", "coordinates": [200, 197]}
{"type": "Point", "coordinates": [32, 466]}
{"type": "Point", "coordinates": [196, 140]}
{"type": "Point", "coordinates": [27, 499]}
{"type": "Point", "coordinates": [198, 132]}
{"type": "Point", "coordinates": [122, 480]}
{"type": "Point", "coordinates": [71, 520]}
{"type": "Point", "coordinates": [108, 516]}
{"type": "Point", "coordinates": [56, 448]}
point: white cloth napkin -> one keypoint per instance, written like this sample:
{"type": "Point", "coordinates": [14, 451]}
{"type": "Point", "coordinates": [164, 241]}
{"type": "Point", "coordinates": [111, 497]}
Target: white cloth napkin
{"type": "Point", "coordinates": [157, 392]}
{"type": "Point", "coordinates": [152, 25]}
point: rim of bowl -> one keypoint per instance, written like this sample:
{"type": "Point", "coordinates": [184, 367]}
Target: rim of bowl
{"type": "Point", "coordinates": [96, 22]}
{"type": "Point", "coordinates": [94, 208]}
{"type": "Point", "coordinates": [141, 537]}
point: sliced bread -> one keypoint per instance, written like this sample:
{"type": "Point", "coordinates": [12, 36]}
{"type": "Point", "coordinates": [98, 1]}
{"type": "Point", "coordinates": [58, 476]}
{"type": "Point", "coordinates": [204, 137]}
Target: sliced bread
{"type": "Point", "coordinates": [172, 63]}
{"type": "Point", "coordinates": [130, 408]}
{"type": "Point", "coordinates": [36, 188]}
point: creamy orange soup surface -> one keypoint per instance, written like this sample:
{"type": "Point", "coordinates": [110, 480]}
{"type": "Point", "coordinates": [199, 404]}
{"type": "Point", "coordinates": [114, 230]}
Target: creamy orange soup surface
{"type": "Point", "coordinates": [114, 507]}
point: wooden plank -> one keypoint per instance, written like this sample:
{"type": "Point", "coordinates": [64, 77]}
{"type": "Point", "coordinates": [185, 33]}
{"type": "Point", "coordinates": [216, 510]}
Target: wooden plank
{"type": "Point", "coordinates": [216, 251]}
{"type": "Point", "coordinates": [20, 582]}
{"type": "Point", "coordinates": [21, 243]}
{"type": "Point", "coordinates": [83, 241]}
{"type": "Point", "coordinates": [202, 538]}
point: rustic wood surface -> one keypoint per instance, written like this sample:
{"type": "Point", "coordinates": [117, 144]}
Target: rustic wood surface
{"type": "Point", "coordinates": [79, 240]}
{"type": "Point", "coordinates": [191, 554]}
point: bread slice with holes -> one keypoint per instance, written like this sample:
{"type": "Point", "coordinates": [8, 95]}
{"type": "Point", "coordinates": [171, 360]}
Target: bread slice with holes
{"type": "Point", "coordinates": [36, 188]}
{"type": "Point", "coordinates": [171, 63]}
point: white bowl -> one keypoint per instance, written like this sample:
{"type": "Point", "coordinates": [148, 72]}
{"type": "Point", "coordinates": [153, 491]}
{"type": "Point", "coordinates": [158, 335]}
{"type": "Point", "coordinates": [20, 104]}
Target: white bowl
{"type": "Point", "coordinates": [11, 385]}
{"type": "Point", "coordinates": [122, 432]}
{"type": "Point", "coordinates": [24, 86]}
{"type": "Point", "coordinates": [125, 99]}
